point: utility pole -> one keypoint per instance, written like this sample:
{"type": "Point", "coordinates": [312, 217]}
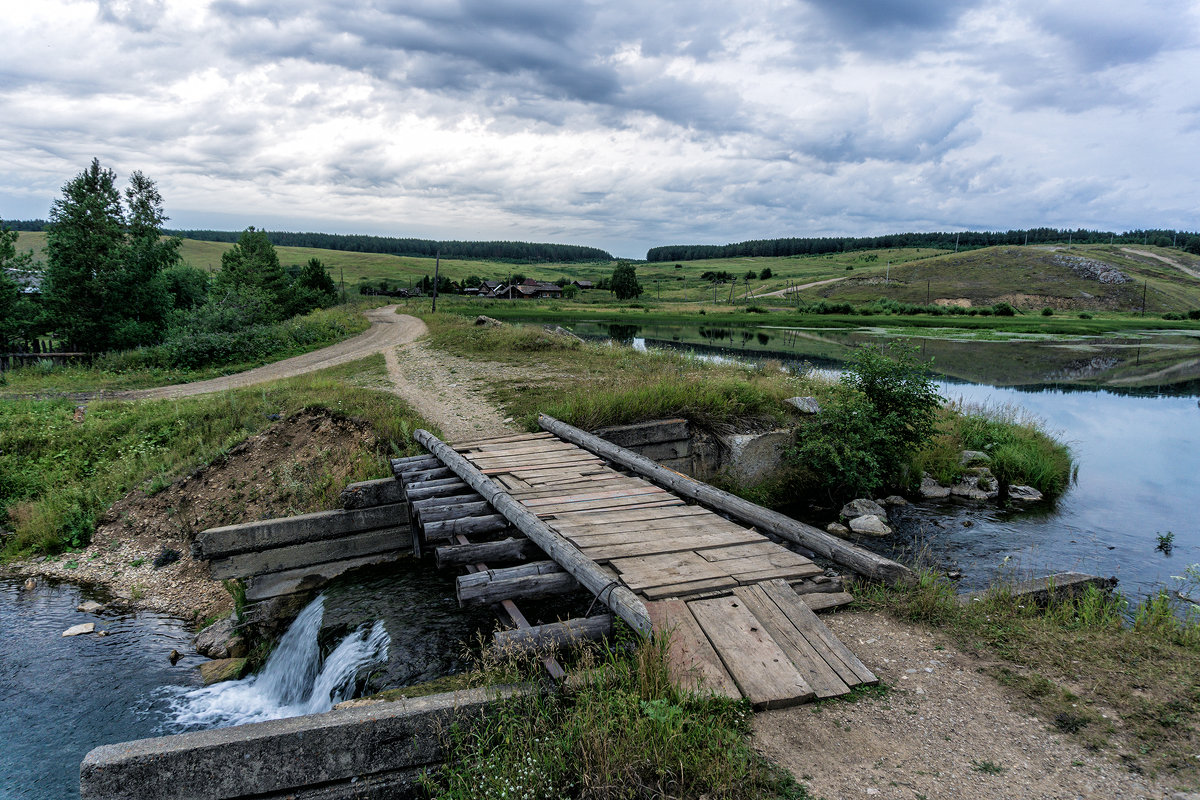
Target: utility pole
{"type": "Point", "coordinates": [732, 284]}
{"type": "Point", "coordinates": [437, 266]}
{"type": "Point", "coordinates": [887, 276]}
{"type": "Point", "coordinates": [342, 272]}
{"type": "Point", "coordinates": [1145, 286]}
{"type": "Point", "coordinates": [1070, 239]}
{"type": "Point", "coordinates": [1027, 238]}
{"type": "Point", "coordinates": [927, 291]}
{"type": "Point", "coordinates": [956, 241]}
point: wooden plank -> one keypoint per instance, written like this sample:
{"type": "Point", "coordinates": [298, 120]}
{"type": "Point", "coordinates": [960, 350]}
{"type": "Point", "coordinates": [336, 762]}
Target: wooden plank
{"type": "Point", "coordinates": [787, 573]}
{"type": "Point", "coordinates": [608, 552]}
{"type": "Point", "coordinates": [709, 522]}
{"type": "Point", "coordinates": [566, 457]}
{"type": "Point", "coordinates": [610, 505]}
{"type": "Point", "coordinates": [820, 676]}
{"type": "Point", "coordinates": [630, 516]}
{"type": "Point", "coordinates": [515, 437]}
{"type": "Point", "coordinates": [519, 449]}
{"type": "Point", "coordinates": [762, 547]}
{"type": "Point", "coordinates": [847, 665]}
{"type": "Point", "coordinates": [779, 557]}
{"type": "Point", "coordinates": [556, 475]}
{"type": "Point", "coordinates": [713, 587]}
{"type": "Point", "coordinates": [570, 488]}
{"type": "Point", "coordinates": [602, 493]}
{"type": "Point", "coordinates": [520, 469]}
{"type": "Point", "coordinates": [760, 668]}
{"type": "Point", "coordinates": [512, 483]}
{"type": "Point", "coordinates": [599, 538]}
{"type": "Point", "coordinates": [643, 572]}
{"type": "Point", "coordinates": [691, 660]}
{"type": "Point", "coordinates": [821, 601]}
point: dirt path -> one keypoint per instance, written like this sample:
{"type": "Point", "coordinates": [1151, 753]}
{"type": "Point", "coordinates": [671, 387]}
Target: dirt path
{"type": "Point", "coordinates": [790, 289]}
{"type": "Point", "coordinates": [943, 730]}
{"type": "Point", "coordinates": [1164, 259]}
{"type": "Point", "coordinates": [441, 388]}
{"type": "Point", "coordinates": [386, 332]}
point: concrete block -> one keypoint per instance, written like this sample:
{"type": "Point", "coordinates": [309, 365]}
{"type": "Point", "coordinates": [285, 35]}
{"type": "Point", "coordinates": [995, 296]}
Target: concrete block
{"type": "Point", "coordinates": [1040, 590]}
{"type": "Point", "coordinates": [253, 536]}
{"type": "Point", "coordinates": [754, 458]}
{"type": "Point", "coordinates": [314, 576]}
{"type": "Point", "coordinates": [640, 433]}
{"type": "Point", "coordinates": [279, 756]}
{"type": "Point", "coordinates": [664, 451]}
{"type": "Point", "coordinates": [277, 559]}
{"type": "Point", "coordinates": [368, 494]}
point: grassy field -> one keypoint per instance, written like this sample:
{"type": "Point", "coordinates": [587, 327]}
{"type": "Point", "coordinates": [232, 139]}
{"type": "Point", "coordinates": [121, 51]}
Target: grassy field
{"type": "Point", "coordinates": [57, 475]}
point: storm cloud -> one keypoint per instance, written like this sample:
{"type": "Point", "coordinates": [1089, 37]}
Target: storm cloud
{"type": "Point", "coordinates": [620, 124]}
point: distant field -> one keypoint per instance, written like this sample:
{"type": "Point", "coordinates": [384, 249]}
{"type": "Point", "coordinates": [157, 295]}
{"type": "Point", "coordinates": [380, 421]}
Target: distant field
{"type": "Point", "coordinates": [1027, 277]}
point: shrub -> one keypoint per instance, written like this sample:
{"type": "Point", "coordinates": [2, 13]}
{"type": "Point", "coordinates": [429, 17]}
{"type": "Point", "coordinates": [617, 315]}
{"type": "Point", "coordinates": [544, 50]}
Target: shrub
{"type": "Point", "coordinates": [1002, 310]}
{"type": "Point", "coordinates": [1085, 315]}
{"type": "Point", "coordinates": [1047, 312]}
{"type": "Point", "coordinates": [1194, 313]}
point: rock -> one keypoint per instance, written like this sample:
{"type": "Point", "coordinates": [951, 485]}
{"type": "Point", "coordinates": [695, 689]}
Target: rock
{"type": "Point", "coordinates": [870, 524]}
{"type": "Point", "coordinates": [222, 669]}
{"type": "Point", "coordinates": [213, 641]}
{"type": "Point", "coordinates": [861, 508]}
{"type": "Point", "coordinates": [954, 575]}
{"type": "Point", "coordinates": [837, 529]}
{"type": "Point", "coordinates": [76, 630]}
{"type": "Point", "coordinates": [805, 405]}
{"type": "Point", "coordinates": [1024, 494]}
{"type": "Point", "coordinates": [30, 584]}
{"type": "Point", "coordinates": [174, 657]}
{"type": "Point", "coordinates": [489, 322]}
{"type": "Point", "coordinates": [89, 606]}
{"type": "Point", "coordinates": [931, 489]}
{"type": "Point", "coordinates": [558, 330]}
{"type": "Point", "coordinates": [970, 489]}
{"type": "Point", "coordinates": [969, 457]}
{"type": "Point", "coordinates": [238, 647]}
{"type": "Point", "coordinates": [894, 500]}
{"type": "Point", "coordinates": [752, 458]}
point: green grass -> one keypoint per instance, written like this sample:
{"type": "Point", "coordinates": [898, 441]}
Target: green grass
{"type": "Point", "coordinates": [591, 385]}
{"type": "Point", "coordinates": [150, 366]}
{"type": "Point", "coordinates": [57, 476]}
{"type": "Point", "coordinates": [1022, 452]}
{"type": "Point", "coordinates": [621, 730]}
{"type": "Point", "coordinates": [1089, 666]}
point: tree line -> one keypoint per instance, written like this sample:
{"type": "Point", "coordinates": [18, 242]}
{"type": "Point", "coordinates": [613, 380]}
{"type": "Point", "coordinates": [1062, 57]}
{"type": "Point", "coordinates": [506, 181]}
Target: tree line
{"type": "Point", "coordinates": [513, 252]}
{"type": "Point", "coordinates": [801, 246]}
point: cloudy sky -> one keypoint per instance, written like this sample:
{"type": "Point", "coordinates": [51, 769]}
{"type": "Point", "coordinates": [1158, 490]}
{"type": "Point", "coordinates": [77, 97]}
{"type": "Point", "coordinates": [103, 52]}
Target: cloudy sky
{"type": "Point", "coordinates": [622, 124]}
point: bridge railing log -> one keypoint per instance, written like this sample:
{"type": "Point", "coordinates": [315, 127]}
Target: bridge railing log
{"type": "Point", "coordinates": [623, 602]}
{"type": "Point", "coordinates": [858, 559]}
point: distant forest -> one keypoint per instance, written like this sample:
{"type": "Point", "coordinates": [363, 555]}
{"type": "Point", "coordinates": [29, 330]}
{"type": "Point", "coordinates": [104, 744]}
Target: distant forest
{"type": "Point", "coordinates": [515, 252]}
{"type": "Point", "coordinates": [940, 241]}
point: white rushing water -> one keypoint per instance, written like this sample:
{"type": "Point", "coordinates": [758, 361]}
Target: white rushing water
{"type": "Point", "coordinates": [293, 682]}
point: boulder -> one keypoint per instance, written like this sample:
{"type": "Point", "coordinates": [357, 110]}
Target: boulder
{"type": "Point", "coordinates": [76, 630]}
{"type": "Point", "coordinates": [214, 640]}
{"type": "Point", "coordinates": [861, 508]}
{"type": "Point", "coordinates": [970, 489]}
{"type": "Point", "coordinates": [894, 500]}
{"type": "Point", "coordinates": [30, 584]}
{"type": "Point", "coordinates": [932, 490]}
{"type": "Point", "coordinates": [870, 524]}
{"type": "Point", "coordinates": [222, 669]}
{"type": "Point", "coordinates": [837, 529]}
{"type": "Point", "coordinates": [558, 330]}
{"type": "Point", "coordinates": [805, 405]}
{"type": "Point", "coordinates": [238, 647]}
{"type": "Point", "coordinates": [89, 606]}
{"type": "Point", "coordinates": [489, 322]}
{"type": "Point", "coordinates": [1024, 494]}
{"type": "Point", "coordinates": [970, 457]}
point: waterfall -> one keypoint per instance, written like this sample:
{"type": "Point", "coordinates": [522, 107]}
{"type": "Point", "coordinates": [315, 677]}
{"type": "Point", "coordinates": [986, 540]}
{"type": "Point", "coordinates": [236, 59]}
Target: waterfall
{"type": "Point", "coordinates": [294, 680]}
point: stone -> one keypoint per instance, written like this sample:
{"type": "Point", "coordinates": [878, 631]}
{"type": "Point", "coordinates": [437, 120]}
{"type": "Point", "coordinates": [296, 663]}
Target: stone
{"type": "Point", "coordinates": [558, 330]}
{"type": "Point", "coordinates": [862, 507]}
{"type": "Point", "coordinates": [174, 657]}
{"type": "Point", "coordinates": [894, 500]}
{"type": "Point", "coordinates": [30, 584]}
{"type": "Point", "coordinates": [837, 529]}
{"type": "Point", "coordinates": [871, 525]}
{"type": "Point", "coordinates": [805, 405]}
{"type": "Point", "coordinates": [76, 630]}
{"type": "Point", "coordinates": [238, 647]}
{"type": "Point", "coordinates": [932, 490]}
{"type": "Point", "coordinates": [490, 322]}
{"type": "Point", "coordinates": [969, 457]}
{"type": "Point", "coordinates": [222, 669]}
{"type": "Point", "coordinates": [1024, 494]}
{"type": "Point", "coordinates": [89, 606]}
{"type": "Point", "coordinates": [213, 641]}
{"type": "Point", "coordinates": [756, 457]}
{"type": "Point", "coordinates": [970, 488]}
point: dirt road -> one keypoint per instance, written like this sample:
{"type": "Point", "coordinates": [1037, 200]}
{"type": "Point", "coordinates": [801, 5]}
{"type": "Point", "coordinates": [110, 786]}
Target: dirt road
{"type": "Point", "coordinates": [388, 330]}
{"type": "Point", "coordinates": [790, 289]}
{"type": "Point", "coordinates": [1164, 259]}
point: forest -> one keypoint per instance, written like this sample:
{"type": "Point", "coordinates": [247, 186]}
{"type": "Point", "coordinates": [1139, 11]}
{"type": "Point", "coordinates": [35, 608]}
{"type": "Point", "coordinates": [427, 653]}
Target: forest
{"type": "Point", "coordinates": [964, 240]}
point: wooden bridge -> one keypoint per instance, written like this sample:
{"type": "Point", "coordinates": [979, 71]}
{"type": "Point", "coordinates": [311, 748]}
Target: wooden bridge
{"type": "Point", "coordinates": [664, 552]}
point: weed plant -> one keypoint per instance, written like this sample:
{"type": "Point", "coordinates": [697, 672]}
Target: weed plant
{"type": "Point", "coordinates": [58, 475]}
{"type": "Point", "coordinates": [617, 729]}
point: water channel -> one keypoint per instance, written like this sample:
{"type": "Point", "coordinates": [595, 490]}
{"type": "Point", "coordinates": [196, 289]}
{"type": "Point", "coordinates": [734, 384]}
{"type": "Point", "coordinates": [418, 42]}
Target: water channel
{"type": "Point", "coordinates": [1126, 404]}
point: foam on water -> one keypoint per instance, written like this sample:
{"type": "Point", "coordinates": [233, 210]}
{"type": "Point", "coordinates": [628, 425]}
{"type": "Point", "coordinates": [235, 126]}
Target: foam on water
{"type": "Point", "coordinates": [294, 681]}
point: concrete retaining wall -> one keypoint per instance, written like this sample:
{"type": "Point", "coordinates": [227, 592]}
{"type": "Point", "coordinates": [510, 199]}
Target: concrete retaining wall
{"type": "Point", "coordinates": [748, 459]}
{"type": "Point", "coordinates": [374, 750]}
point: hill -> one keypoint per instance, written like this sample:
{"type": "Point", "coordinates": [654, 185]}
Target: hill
{"type": "Point", "coordinates": [1091, 277]}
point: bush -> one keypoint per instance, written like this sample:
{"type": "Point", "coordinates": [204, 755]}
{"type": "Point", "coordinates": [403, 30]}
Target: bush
{"type": "Point", "coordinates": [1085, 315]}
{"type": "Point", "coordinates": [884, 410]}
{"type": "Point", "coordinates": [1194, 313]}
{"type": "Point", "coordinates": [1173, 315]}
{"type": "Point", "coordinates": [1047, 312]}
{"type": "Point", "coordinates": [1002, 310]}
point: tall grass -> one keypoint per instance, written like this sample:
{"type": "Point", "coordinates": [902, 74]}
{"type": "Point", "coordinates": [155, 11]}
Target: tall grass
{"type": "Point", "coordinates": [58, 474]}
{"type": "Point", "coordinates": [620, 731]}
